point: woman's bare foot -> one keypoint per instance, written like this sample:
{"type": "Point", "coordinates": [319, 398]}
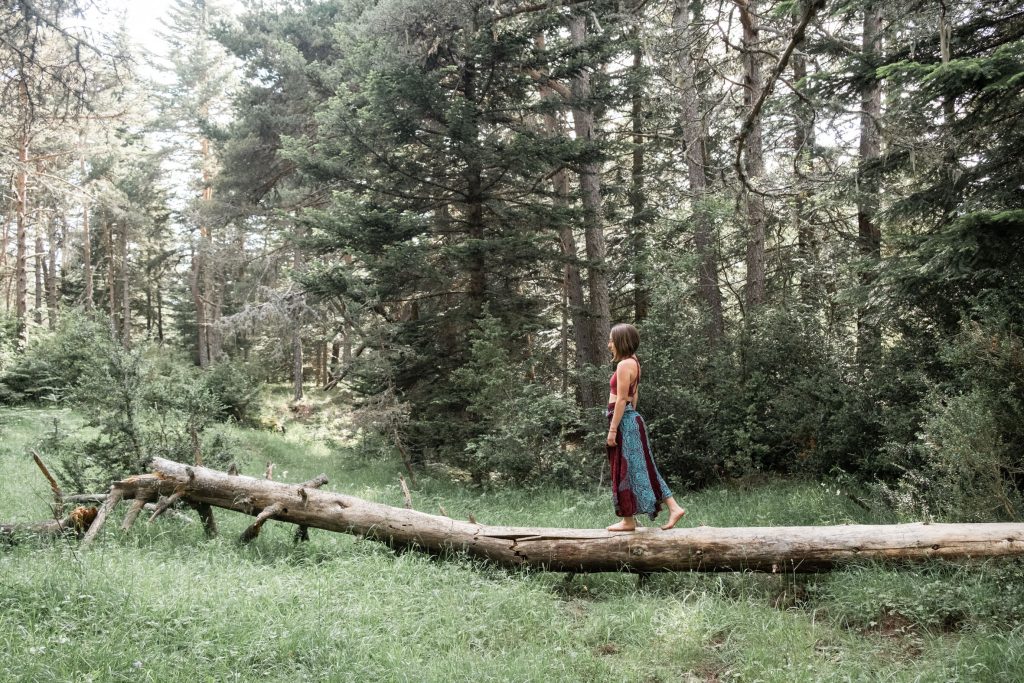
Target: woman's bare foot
{"type": "Point", "coordinates": [622, 526]}
{"type": "Point", "coordinates": [673, 518]}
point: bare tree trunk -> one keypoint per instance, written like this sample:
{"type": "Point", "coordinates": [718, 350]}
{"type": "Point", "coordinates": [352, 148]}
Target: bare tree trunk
{"type": "Point", "coordinates": [318, 364]}
{"type": "Point", "coordinates": [590, 190]}
{"type": "Point", "coordinates": [126, 299]}
{"type": "Point", "coordinates": [86, 238]}
{"type": "Point", "coordinates": [50, 273]}
{"type": "Point", "coordinates": [195, 280]}
{"type": "Point", "coordinates": [5, 237]}
{"type": "Point", "coordinates": [474, 201]}
{"type": "Point", "coordinates": [159, 314]}
{"type": "Point", "coordinates": [37, 265]}
{"type": "Point", "coordinates": [296, 366]}
{"type": "Point", "coordinates": [803, 164]}
{"type": "Point", "coordinates": [638, 218]}
{"type": "Point", "coordinates": [869, 235]}
{"type": "Point", "coordinates": [20, 259]}
{"type": "Point", "coordinates": [695, 136]}
{"type": "Point", "coordinates": [755, 291]}
{"type": "Point", "coordinates": [111, 293]}
{"type": "Point", "coordinates": [572, 281]}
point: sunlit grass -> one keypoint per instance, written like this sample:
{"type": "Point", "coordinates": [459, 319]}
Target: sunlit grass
{"type": "Point", "coordinates": [163, 603]}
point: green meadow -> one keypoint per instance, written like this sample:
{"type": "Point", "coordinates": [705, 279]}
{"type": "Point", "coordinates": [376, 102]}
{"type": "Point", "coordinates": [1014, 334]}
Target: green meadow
{"type": "Point", "coordinates": [163, 603]}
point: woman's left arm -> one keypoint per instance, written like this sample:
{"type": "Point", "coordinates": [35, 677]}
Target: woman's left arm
{"type": "Point", "coordinates": [622, 381]}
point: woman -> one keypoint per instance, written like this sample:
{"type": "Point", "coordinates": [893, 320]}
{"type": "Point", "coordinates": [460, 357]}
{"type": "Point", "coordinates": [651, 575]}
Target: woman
{"type": "Point", "coordinates": [637, 487]}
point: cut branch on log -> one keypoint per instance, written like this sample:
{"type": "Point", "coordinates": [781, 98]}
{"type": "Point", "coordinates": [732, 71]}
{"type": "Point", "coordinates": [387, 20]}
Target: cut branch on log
{"type": "Point", "coordinates": [165, 503]}
{"type": "Point", "coordinates": [113, 498]}
{"type": "Point", "coordinates": [58, 495]}
{"type": "Point", "coordinates": [779, 549]}
{"type": "Point", "coordinates": [133, 513]}
{"type": "Point", "coordinates": [266, 513]}
{"type": "Point", "coordinates": [405, 493]}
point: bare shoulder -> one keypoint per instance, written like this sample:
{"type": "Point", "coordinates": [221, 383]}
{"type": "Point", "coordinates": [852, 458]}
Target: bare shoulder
{"type": "Point", "coordinates": [630, 365]}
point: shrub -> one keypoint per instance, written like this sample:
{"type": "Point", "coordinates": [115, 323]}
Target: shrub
{"type": "Point", "coordinates": [54, 363]}
{"type": "Point", "coordinates": [967, 462]}
{"type": "Point", "coordinates": [236, 388]}
{"type": "Point", "coordinates": [521, 427]}
{"type": "Point", "coordinates": [141, 404]}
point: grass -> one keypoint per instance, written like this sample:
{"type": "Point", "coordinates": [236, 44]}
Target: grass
{"type": "Point", "coordinates": [162, 603]}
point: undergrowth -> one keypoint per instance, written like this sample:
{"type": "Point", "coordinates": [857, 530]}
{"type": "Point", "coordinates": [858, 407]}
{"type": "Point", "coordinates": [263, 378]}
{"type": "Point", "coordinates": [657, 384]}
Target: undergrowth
{"type": "Point", "coordinates": [162, 603]}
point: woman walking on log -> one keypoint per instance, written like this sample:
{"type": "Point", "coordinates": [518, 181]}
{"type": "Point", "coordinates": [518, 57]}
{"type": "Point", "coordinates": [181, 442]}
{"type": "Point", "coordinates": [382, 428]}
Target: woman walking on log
{"type": "Point", "coordinates": [637, 486]}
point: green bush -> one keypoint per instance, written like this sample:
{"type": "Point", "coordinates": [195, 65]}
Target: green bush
{"type": "Point", "coordinates": [236, 387]}
{"type": "Point", "coordinates": [773, 398]}
{"type": "Point", "coordinates": [967, 462]}
{"type": "Point", "coordinates": [520, 427]}
{"type": "Point", "coordinates": [54, 363]}
{"type": "Point", "coordinates": [140, 403]}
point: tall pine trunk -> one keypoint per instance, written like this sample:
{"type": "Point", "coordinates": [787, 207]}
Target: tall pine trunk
{"type": "Point", "coordinates": [695, 136]}
{"type": "Point", "coordinates": [87, 295]}
{"type": "Point", "coordinates": [50, 272]}
{"type": "Point", "coordinates": [126, 306]}
{"type": "Point", "coordinates": [637, 192]}
{"type": "Point", "coordinates": [474, 198]}
{"type": "Point", "coordinates": [803, 165]}
{"type": "Point", "coordinates": [598, 312]}
{"type": "Point", "coordinates": [21, 236]}
{"type": "Point", "coordinates": [296, 365]}
{"type": "Point", "coordinates": [38, 265]}
{"type": "Point", "coordinates": [572, 282]}
{"type": "Point", "coordinates": [754, 292]}
{"type": "Point", "coordinates": [197, 300]}
{"type": "Point", "coordinates": [869, 236]}
{"type": "Point", "coordinates": [111, 287]}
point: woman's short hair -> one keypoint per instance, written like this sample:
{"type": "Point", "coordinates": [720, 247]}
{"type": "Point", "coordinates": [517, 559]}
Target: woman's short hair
{"type": "Point", "coordinates": [625, 339]}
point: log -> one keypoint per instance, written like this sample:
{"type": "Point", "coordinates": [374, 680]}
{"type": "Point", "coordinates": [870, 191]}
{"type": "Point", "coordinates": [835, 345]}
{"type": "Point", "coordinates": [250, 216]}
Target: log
{"type": "Point", "coordinates": [774, 549]}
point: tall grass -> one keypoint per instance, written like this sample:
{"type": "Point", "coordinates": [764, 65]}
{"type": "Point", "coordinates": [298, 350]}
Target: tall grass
{"type": "Point", "coordinates": [162, 603]}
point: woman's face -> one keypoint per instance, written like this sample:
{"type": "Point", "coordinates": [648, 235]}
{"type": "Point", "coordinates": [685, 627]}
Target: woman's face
{"type": "Point", "coordinates": [611, 345]}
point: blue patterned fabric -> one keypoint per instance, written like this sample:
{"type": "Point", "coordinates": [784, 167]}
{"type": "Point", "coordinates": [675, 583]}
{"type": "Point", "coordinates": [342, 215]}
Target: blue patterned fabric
{"type": "Point", "coordinates": [633, 468]}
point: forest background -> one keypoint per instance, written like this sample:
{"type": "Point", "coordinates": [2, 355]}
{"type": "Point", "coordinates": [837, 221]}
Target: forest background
{"type": "Point", "coordinates": [811, 210]}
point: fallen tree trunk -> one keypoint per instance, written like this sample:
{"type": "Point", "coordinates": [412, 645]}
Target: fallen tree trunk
{"type": "Point", "coordinates": [778, 549]}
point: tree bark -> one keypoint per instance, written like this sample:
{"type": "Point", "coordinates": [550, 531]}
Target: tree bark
{"type": "Point", "coordinates": [38, 266]}
{"type": "Point", "coordinates": [695, 136]}
{"type": "Point", "coordinates": [803, 165]}
{"type": "Point", "coordinates": [474, 201]}
{"type": "Point", "coordinates": [586, 391]}
{"type": "Point", "coordinates": [638, 218]}
{"type": "Point", "coordinates": [111, 293]}
{"type": "Point", "coordinates": [126, 299]}
{"type": "Point", "coordinates": [195, 283]}
{"type": "Point", "coordinates": [296, 366]}
{"type": "Point", "coordinates": [775, 549]}
{"type": "Point", "coordinates": [755, 291]}
{"type": "Point", "coordinates": [50, 272]}
{"type": "Point", "coordinates": [869, 235]}
{"type": "Point", "coordinates": [21, 237]}
{"type": "Point", "coordinates": [87, 295]}
{"type": "Point", "coordinates": [590, 193]}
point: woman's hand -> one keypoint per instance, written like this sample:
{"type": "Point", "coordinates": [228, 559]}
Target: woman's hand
{"type": "Point", "coordinates": [611, 437]}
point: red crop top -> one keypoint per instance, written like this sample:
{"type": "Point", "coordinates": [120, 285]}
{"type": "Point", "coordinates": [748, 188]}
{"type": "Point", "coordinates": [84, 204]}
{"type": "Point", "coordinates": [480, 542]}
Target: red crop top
{"type": "Point", "coordinates": [613, 382]}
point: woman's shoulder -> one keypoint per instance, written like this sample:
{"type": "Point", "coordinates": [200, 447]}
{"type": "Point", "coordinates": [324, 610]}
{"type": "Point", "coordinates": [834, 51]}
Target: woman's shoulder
{"type": "Point", "coordinates": [628, 363]}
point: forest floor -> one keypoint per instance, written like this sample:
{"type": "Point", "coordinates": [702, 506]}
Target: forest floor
{"type": "Point", "coordinates": [162, 603]}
